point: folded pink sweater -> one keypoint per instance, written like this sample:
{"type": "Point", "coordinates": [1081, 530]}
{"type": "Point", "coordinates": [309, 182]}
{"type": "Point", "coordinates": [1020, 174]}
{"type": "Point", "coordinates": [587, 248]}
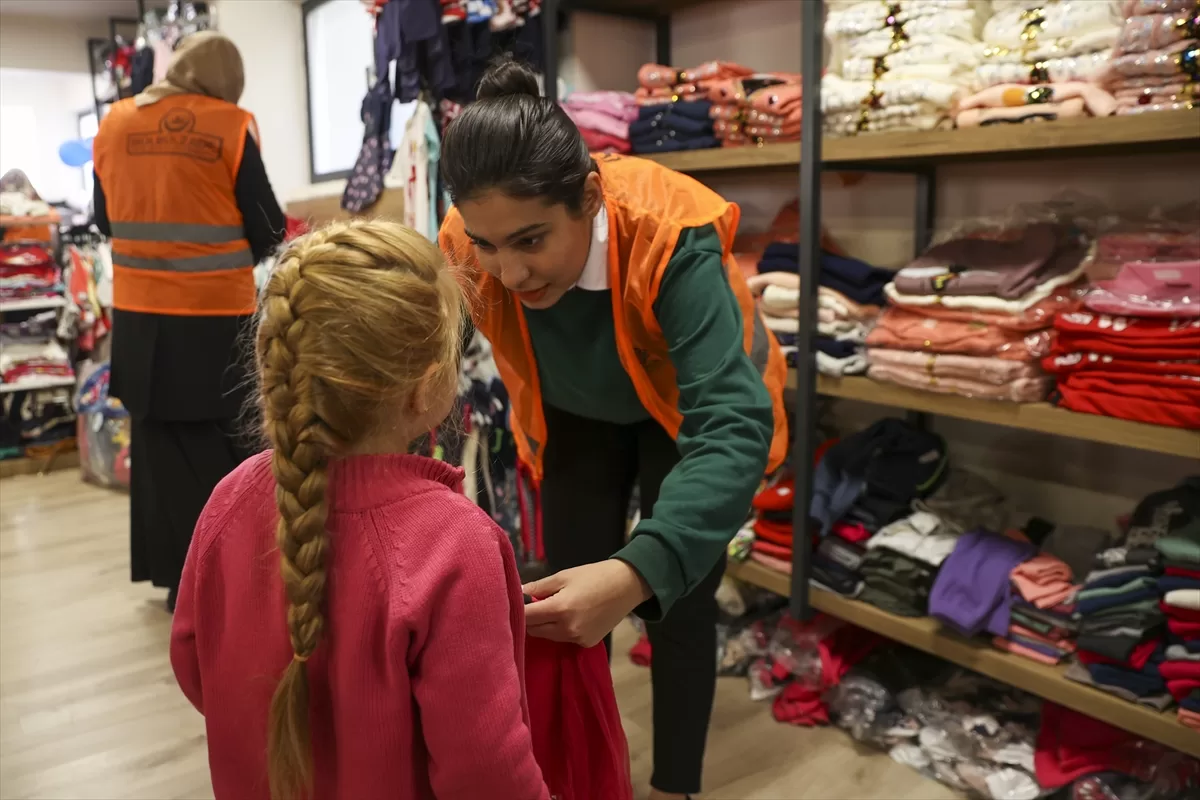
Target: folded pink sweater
{"type": "Point", "coordinates": [1021, 390]}
{"type": "Point", "coordinates": [994, 371]}
{"type": "Point", "coordinates": [1099, 103]}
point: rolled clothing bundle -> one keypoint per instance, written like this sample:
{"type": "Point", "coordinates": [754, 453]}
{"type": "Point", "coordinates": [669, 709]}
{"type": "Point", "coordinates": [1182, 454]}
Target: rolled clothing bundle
{"type": "Point", "coordinates": [603, 118]}
{"type": "Point", "coordinates": [899, 66]}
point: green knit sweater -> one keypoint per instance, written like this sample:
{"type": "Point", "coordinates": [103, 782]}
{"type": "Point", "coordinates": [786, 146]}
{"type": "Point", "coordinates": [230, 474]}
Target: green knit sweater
{"type": "Point", "coordinates": [728, 420]}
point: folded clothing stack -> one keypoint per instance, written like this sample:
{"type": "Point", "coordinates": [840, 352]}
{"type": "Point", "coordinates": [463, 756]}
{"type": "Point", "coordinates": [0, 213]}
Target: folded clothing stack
{"type": "Point", "coordinates": [1045, 589]}
{"type": "Point", "coordinates": [1055, 42]}
{"type": "Point", "coordinates": [659, 84]}
{"type": "Point", "coordinates": [28, 271]}
{"type": "Point", "coordinates": [1134, 351]}
{"type": "Point", "coordinates": [758, 109]}
{"type": "Point", "coordinates": [1179, 586]}
{"type": "Point", "coordinates": [671, 127]}
{"type": "Point", "coordinates": [849, 298]}
{"type": "Point", "coordinates": [30, 355]}
{"type": "Point", "coordinates": [772, 525]}
{"type": "Point", "coordinates": [906, 64]}
{"type": "Point", "coordinates": [1156, 59]}
{"type": "Point", "coordinates": [1126, 242]}
{"type": "Point", "coordinates": [971, 593]}
{"type": "Point", "coordinates": [902, 559]}
{"type": "Point", "coordinates": [1039, 102]}
{"type": "Point", "coordinates": [603, 118]}
{"type": "Point", "coordinates": [972, 315]}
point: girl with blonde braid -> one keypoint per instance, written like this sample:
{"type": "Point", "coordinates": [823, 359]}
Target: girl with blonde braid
{"type": "Point", "coordinates": [390, 604]}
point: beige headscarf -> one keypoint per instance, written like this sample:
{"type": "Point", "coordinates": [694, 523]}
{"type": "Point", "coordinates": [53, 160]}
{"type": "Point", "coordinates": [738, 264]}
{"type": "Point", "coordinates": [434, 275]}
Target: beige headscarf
{"type": "Point", "coordinates": [204, 63]}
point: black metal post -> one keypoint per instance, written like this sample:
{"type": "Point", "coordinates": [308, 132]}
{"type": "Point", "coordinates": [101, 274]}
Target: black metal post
{"type": "Point", "coordinates": [662, 40]}
{"type": "Point", "coordinates": [550, 10]}
{"type": "Point", "coordinates": [141, 7]}
{"type": "Point", "coordinates": [812, 24]}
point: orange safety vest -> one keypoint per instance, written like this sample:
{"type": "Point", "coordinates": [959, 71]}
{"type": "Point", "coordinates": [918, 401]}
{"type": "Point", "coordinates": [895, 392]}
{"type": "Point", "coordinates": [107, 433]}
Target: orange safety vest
{"type": "Point", "coordinates": [168, 172]}
{"type": "Point", "coordinates": [648, 208]}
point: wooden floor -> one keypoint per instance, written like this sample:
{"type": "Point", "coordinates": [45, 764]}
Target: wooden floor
{"type": "Point", "coordinates": [89, 708]}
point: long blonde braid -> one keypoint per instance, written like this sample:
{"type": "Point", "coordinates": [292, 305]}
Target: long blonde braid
{"type": "Point", "coordinates": [353, 318]}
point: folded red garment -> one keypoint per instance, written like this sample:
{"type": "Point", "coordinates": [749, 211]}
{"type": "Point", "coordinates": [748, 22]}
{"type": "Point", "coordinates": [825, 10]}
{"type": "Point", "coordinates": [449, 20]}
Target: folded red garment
{"type": "Point", "coordinates": [1185, 391]}
{"type": "Point", "coordinates": [1180, 613]}
{"type": "Point", "coordinates": [1183, 628]}
{"type": "Point", "coordinates": [1071, 745]}
{"type": "Point", "coordinates": [1180, 670]}
{"type": "Point", "coordinates": [778, 533]}
{"type": "Point", "coordinates": [1181, 688]}
{"type": "Point", "coordinates": [1062, 362]}
{"type": "Point", "coordinates": [1138, 659]}
{"type": "Point", "coordinates": [1183, 572]}
{"type": "Point", "coordinates": [772, 550]}
{"type": "Point", "coordinates": [1084, 326]}
{"type": "Point", "coordinates": [852, 532]}
{"type": "Point", "coordinates": [1174, 415]}
{"type": "Point", "coordinates": [598, 142]}
{"type": "Point", "coordinates": [780, 497]}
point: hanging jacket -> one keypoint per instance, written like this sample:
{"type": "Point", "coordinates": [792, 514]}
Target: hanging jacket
{"type": "Point", "coordinates": [648, 207]}
{"type": "Point", "coordinates": [177, 253]}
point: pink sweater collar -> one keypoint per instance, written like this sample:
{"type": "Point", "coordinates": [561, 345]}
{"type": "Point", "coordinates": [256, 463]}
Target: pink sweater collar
{"type": "Point", "coordinates": [357, 483]}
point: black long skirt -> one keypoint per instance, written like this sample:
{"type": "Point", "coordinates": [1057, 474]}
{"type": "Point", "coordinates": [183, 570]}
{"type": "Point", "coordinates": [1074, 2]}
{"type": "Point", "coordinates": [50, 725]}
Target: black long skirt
{"type": "Point", "coordinates": [175, 467]}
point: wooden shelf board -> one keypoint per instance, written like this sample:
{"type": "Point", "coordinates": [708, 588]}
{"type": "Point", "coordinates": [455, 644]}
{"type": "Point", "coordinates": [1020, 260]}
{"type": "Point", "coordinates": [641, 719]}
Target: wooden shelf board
{"type": "Point", "coordinates": [1045, 681]}
{"type": "Point", "coordinates": [1148, 133]}
{"type": "Point", "coordinates": [1040, 417]}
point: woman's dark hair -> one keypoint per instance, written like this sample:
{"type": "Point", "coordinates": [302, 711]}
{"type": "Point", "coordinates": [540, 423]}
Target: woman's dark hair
{"type": "Point", "coordinates": [516, 141]}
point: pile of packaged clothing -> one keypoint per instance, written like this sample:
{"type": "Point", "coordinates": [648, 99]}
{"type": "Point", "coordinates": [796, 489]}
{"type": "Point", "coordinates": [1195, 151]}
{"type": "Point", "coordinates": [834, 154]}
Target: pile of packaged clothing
{"type": "Point", "coordinates": [1133, 352]}
{"type": "Point", "coordinates": [28, 271]}
{"type": "Point", "coordinates": [899, 66]}
{"type": "Point", "coordinates": [31, 356]}
{"type": "Point", "coordinates": [849, 299]}
{"type": "Point", "coordinates": [1156, 60]}
{"type": "Point", "coordinates": [603, 118]}
{"type": "Point", "coordinates": [863, 483]}
{"type": "Point", "coordinates": [1048, 42]}
{"type": "Point", "coordinates": [972, 315]}
{"type": "Point", "coordinates": [959, 728]}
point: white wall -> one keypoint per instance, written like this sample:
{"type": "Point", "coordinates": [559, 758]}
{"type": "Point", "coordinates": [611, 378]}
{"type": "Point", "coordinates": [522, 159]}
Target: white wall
{"type": "Point", "coordinates": [53, 100]}
{"type": "Point", "coordinates": [58, 44]}
{"type": "Point", "coordinates": [270, 36]}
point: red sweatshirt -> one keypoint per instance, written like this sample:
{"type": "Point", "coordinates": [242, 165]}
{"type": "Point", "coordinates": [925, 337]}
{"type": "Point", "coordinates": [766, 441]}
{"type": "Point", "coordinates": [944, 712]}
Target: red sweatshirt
{"type": "Point", "coordinates": [417, 687]}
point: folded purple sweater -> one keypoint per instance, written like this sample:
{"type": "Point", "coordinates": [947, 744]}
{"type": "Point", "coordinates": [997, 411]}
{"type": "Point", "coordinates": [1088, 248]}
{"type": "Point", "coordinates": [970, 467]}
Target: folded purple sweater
{"type": "Point", "coordinates": [972, 592]}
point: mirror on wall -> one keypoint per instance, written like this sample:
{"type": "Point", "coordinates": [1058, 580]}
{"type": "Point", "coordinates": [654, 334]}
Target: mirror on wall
{"type": "Point", "coordinates": [339, 60]}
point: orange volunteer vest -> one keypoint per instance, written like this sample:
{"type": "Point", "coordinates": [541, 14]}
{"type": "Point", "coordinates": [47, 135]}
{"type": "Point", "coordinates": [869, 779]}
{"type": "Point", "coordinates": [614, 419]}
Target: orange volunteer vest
{"type": "Point", "coordinates": [168, 172]}
{"type": "Point", "coordinates": [648, 207]}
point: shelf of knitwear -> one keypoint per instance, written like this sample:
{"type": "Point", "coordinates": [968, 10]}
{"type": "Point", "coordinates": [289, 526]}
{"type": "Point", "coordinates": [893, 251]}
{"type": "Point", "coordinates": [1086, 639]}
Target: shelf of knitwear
{"type": "Point", "coordinates": [924, 633]}
{"type": "Point", "coordinates": [32, 304]}
{"type": "Point", "coordinates": [1154, 132]}
{"type": "Point", "coordinates": [1040, 417]}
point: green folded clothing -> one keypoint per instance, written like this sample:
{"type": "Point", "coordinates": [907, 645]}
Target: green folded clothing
{"type": "Point", "coordinates": [1134, 585]}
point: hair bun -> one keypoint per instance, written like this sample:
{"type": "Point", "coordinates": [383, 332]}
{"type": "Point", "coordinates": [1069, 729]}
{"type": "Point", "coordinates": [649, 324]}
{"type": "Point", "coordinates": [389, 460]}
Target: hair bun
{"type": "Point", "coordinates": [508, 77]}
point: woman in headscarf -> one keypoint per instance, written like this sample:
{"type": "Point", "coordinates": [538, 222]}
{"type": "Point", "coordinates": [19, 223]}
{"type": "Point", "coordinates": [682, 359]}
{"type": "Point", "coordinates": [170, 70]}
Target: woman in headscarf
{"type": "Point", "coordinates": [182, 191]}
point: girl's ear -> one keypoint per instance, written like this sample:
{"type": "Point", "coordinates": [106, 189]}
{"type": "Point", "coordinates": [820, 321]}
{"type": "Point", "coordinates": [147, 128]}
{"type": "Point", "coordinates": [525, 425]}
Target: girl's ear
{"type": "Point", "coordinates": [425, 393]}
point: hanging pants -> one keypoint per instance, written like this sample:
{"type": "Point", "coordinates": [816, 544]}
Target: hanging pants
{"type": "Point", "coordinates": [174, 468]}
{"type": "Point", "coordinates": [590, 470]}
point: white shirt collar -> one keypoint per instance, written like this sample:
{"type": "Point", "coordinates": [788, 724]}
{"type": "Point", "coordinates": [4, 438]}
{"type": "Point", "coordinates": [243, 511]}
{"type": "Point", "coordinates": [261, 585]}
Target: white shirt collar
{"type": "Point", "coordinates": [594, 277]}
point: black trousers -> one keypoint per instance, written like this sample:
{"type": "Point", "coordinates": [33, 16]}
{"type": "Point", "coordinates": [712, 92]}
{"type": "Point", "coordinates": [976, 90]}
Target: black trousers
{"type": "Point", "coordinates": [174, 468]}
{"type": "Point", "coordinates": [590, 469]}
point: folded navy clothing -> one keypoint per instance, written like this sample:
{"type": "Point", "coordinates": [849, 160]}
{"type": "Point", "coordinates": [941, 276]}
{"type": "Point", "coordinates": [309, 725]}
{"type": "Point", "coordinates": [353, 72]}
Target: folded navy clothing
{"type": "Point", "coordinates": [1038, 646]}
{"type": "Point", "coordinates": [1141, 682]}
{"type": "Point", "coordinates": [670, 121]}
{"type": "Point", "coordinates": [832, 347]}
{"type": "Point", "coordinates": [1103, 579]}
{"type": "Point", "coordinates": [1192, 701]}
{"type": "Point", "coordinates": [671, 145]}
{"type": "Point", "coordinates": [836, 577]}
{"type": "Point", "coordinates": [856, 279]}
{"type": "Point", "coordinates": [1093, 604]}
{"type": "Point", "coordinates": [1170, 583]}
{"type": "Point", "coordinates": [694, 109]}
{"type": "Point", "coordinates": [786, 339]}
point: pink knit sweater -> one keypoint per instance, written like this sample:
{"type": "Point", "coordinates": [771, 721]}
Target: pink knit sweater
{"type": "Point", "coordinates": [417, 687]}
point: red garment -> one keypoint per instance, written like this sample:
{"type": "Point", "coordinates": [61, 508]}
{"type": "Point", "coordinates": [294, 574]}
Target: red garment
{"type": "Point", "coordinates": [1174, 415]}
{"type": "Point", "coordinates": [417, 685]}
{"type": "Point", "coordinates": [599, 142]}
{"type": "Point", "coordinates": [1080, 326]}
{"type": "Point", "coordinates": [1071, 745]}
{"type": "Point", "coordinates": [641, 652]}
{"type": "Point", "coordinates": [1180, 689]}
{"type": "Point", "coordinates": [856, 532]}
{"type": "Point", "coordinates": [780, 497]}
{"type": "Point", "coordinates": [1184, 629]}
{"type": "Point", "coordinates": [1180, 670]}
{"type": "Point", "coordinates": [1159, 388]}
{"type": "Point", "coordinates": [777, 533]}
{"type": "Point", "coordinates": [773, 550]}
{"type": "Point", "coordinates": [1183, 572]}
{"type": "Point", "coordinates": [1137, 659]}
{"type": "Point", "coordinates": [1062, 362]}
{"type": "Point", "coordinates": [840, 647]}
{"type": "Point", "coordinates": [577, 733]}
{"type": "Point", "coordinates": [1179, 612]}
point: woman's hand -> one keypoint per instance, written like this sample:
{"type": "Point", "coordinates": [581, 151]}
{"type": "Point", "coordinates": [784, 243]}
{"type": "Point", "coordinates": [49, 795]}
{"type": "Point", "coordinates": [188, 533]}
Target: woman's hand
{"type": "Point", "coordinates": [584, 604]}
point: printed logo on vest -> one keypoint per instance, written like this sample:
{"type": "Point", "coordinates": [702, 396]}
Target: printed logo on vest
{"type": "Point", "coordinates": [176, 136]}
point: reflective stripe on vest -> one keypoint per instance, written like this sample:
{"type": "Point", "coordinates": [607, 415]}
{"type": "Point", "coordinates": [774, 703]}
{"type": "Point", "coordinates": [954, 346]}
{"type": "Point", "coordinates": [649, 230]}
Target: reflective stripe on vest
{"type": "Point", "coordinates": [176, 232]}
{"type": "Point", "coordinates": [239, 259]}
